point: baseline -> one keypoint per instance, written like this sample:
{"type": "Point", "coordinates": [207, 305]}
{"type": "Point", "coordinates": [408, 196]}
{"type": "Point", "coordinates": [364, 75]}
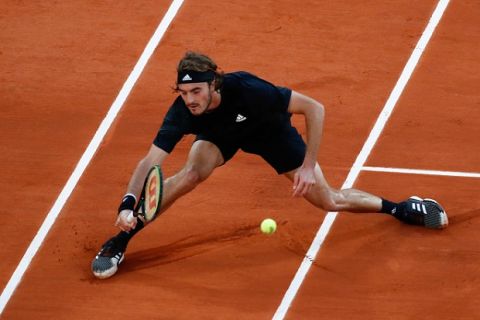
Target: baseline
{"type": "Point", "coordinates": [362, 158]}
{"type": "Point", "coordinates": [88, 154]}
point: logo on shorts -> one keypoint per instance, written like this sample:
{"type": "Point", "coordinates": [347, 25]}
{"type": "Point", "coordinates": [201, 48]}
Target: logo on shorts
{"type": "Point", "coordinates": [187, 78]}
{"type": "Point", "coordinates": [240, 118]}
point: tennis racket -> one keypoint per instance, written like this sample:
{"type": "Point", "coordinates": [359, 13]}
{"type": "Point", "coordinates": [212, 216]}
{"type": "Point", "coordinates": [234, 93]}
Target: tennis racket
{"type": "Point", "coordinates": [151, 196]}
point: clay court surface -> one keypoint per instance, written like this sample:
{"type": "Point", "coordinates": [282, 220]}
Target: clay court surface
{"type": "Point", "coordinates": [63, 63]}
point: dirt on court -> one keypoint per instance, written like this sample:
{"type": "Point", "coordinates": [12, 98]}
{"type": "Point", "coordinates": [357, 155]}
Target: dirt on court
{"type": "Point", "coordinates": [63, 64]}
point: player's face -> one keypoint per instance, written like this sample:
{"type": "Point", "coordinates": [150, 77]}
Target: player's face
{"type": "Point", "coordinates": [197, 96]}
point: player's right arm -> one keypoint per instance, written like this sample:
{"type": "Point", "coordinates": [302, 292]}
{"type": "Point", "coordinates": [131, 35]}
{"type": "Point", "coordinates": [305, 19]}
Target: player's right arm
{"type": "Point", "coordinates": [174, 126]}
{"type": "Point", "coordinates": [155, 156]}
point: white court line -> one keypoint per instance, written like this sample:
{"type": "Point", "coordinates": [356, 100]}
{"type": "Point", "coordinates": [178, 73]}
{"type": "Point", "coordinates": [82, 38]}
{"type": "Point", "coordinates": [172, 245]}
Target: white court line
{"type": "Point", "coordinates": [88, 154]}
{"type": "Point", "coordinates": [362, 158]}
{"type": "Point", "coordinates": [424, 172]}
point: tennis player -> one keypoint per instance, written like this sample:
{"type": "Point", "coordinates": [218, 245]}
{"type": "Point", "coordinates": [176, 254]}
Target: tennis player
{"type": "Point", "coordinates": [233, 111]}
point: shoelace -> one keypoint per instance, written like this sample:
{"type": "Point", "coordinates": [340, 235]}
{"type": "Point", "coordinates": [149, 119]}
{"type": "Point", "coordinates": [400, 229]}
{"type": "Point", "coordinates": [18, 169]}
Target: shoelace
{"type": "Point", "coordinates": [110, 249]}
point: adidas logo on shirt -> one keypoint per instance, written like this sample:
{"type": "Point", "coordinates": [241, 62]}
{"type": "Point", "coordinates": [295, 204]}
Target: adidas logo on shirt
{"type": "Point", "coordinates": [187, 78]}
{"type": "Point", "coordinates": [240, 118]}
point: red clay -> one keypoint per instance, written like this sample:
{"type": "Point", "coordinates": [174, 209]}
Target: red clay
{"type": "Point", "coordinates": [205, 258]}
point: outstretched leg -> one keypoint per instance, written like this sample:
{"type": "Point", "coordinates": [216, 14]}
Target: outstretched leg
{"type": "Point", "coordinates": [203, 158]}
{"type": "Point", "coordinates": [417, 211]}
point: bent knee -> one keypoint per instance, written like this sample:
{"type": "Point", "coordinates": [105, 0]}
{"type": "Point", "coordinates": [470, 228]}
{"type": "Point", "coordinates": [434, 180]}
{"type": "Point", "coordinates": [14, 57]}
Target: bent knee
{"type": "Point", "coordinates": [193, 176]}
{"type": "Point", "coordinates": [330, 201]}
{"type": "Point", "coordinates": [329, 204]}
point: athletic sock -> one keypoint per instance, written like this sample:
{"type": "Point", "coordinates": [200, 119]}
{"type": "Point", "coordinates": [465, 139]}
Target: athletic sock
{"type": "Point", "coordinates": [124, 237]}
{"type": "Point", "coordinates": [390, 207]}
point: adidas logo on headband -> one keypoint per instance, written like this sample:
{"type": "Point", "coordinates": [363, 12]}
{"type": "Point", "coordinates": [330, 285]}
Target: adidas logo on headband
{"type": "Point", "coordinates": [187, 78]}
{"type": "Point", "coordinates": [191, 76]}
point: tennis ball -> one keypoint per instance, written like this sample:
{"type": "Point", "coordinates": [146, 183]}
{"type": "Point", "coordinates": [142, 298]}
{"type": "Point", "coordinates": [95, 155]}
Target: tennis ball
{"type": "Point", "coordinates": [268, 226]}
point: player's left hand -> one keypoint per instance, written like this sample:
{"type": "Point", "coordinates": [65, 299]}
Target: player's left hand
{"type": "Point", "coordinates": [303, 181]}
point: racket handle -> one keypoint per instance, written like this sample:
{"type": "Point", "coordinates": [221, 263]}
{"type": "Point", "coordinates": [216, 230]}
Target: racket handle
{"type": "Point", "coordinates": [130, 217]}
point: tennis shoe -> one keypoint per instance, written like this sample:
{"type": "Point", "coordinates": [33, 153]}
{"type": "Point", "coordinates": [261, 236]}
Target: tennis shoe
{"type": "Point", "coordinates": [423, 212]}
{"type": "Point", "coordinates": [107, 260]}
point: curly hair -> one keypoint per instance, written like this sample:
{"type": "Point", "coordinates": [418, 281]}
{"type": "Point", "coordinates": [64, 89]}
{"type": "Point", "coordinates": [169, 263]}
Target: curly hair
{"type": "Point", "coordinates": [195, 61]}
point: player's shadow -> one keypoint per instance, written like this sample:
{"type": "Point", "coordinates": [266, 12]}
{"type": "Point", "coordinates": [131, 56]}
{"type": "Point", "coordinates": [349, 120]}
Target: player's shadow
{"type": "Point", "coordinates": [463, 218]}
{"type": "Point", "coordinates": [185, 248]}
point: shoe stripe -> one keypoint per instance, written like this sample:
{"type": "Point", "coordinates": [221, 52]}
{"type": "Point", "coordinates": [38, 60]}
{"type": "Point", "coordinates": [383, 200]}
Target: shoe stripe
{"type": "Point", "coordinates": [417, 207]}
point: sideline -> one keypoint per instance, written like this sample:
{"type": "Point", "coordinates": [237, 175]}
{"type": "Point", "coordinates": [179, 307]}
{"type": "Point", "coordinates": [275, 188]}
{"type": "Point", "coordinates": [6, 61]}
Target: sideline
{"type": "Point", "coordinates": [423, 172]}
{"type": "Point", "coordinates": [358, 165]}
{"type": "Point", "coordinates": [88, 154]}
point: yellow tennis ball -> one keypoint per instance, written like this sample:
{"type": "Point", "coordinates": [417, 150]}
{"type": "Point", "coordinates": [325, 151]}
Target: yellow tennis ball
{"type": "Point", "coordinates": [268, 226]}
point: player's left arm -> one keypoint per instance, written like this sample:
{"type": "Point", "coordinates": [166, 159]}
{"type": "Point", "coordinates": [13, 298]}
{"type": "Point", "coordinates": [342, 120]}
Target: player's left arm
{"type": "Point", "coordinates": [314, 112]}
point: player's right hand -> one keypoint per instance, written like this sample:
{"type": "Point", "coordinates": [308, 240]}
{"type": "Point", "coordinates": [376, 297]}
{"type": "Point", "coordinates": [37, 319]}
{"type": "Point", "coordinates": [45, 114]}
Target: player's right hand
{"type": "Point", "coordinates": [123, 222]}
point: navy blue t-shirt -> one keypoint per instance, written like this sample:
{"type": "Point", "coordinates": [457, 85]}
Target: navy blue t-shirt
{"type": "Point", "coordinates": [249, 107]}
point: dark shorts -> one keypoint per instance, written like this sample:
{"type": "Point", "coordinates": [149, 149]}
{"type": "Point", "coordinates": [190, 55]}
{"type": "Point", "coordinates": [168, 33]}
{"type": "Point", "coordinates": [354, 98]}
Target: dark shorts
{"type": "Point", "coordinates": [284, 150]}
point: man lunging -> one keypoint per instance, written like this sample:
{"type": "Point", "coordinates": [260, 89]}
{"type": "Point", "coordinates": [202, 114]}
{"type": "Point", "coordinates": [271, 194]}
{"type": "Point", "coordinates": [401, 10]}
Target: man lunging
{"type": "Point", "coordinates": [233, 111]}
